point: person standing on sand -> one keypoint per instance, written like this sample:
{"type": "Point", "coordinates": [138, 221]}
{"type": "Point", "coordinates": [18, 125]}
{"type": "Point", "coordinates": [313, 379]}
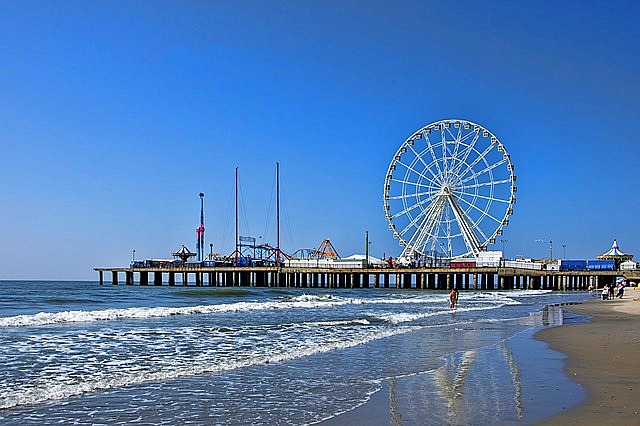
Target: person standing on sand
{"type": "Point", "coordinates": [612, 291]}
{"type": "Point", "coordinates": [605, 292]}
{"type": "Point", "coordinates": [453, 298]}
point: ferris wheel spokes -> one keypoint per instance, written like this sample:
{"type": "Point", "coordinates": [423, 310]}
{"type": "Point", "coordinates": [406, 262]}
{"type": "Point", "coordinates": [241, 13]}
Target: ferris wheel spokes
{"type": "Point", "coordinates": [433, 154]}
{"type": "Point", "coordinates": [470, 148]}
{"type": "Point", "coordinates": [406, 182]}
{"type": "Point", "coordinates": [409, 195]}
{"type": "Point", "coordinates": [425, 213]}
{"type": "Point", "coordinates": [457, 183]}
{"type": "Point", "coordinates": [470, 166]}
{"type": "Point", "coordinates": [419, 216]}
{"type": "Point", "coordinates": [482, 212]}
{"type": "Point", "coordinates": [418, 156]}
{"type": "Point", "coordinates": [483, 171]}
{"type": "Point", "coordinates": [475, 223]}
{"type": "Point", "coordinates": [458, 143]}
{"type": "Point", "coordinates": [470, 238]}
{"type": "Point", "coordinates": [412, 242]}
{"type": "Point", "coordinates": [426, 228]}
{"type": "Point", "coordinates": [408, 209]}
{"type": "Point", "coordinates": [497, 182]}
{"type": "Point", "coordinates": [418, 173]}
{"type": "Point", "coordinates": [459, 193]}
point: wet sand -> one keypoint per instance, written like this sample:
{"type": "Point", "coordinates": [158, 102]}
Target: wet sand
{"type": "Point", "coordinates": [516, 381]}
{"type": "Point", "coordinates": [604, 357]}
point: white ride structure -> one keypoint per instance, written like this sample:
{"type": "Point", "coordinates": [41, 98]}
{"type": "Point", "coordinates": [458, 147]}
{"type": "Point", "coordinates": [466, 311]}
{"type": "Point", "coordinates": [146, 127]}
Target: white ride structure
{"type": "Point", "coordinates": [449, 191]}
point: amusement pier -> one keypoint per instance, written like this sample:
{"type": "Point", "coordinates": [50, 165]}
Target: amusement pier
{"type": "Point", "coordinates": [406, 278]}
{"type": "Point", "coordinates": [449, 192]}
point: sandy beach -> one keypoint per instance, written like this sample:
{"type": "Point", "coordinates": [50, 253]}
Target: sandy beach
{"type": "Point", "coordinates": [604, 357]}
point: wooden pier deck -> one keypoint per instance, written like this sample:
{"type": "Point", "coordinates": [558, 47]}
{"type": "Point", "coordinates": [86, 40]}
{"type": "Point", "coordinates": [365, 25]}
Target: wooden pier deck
{"type": "Point", "coordinates": [423, 278]}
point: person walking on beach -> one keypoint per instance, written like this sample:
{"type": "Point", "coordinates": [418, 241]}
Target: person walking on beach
{"type": "Point", "coordinates": [620, 291]}
{"type": "Point", "coordinates": [605, 292]}
{"type": "Point", "coordinates": [453, 298]}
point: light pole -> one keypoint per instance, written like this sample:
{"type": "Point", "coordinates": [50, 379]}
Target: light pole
{"type": "Point", "coordinates": [133, 259]}
{"type": "Point", "coordinates": [211, 255]}
{"type": "Point", "coordinates": [503, 250]}
{"type": "Point", "coordinates": [367, 246]}
{"type": "Point", "coordinates": [550, 249]}
{"type": "Point", "coordinates": [564, 251]}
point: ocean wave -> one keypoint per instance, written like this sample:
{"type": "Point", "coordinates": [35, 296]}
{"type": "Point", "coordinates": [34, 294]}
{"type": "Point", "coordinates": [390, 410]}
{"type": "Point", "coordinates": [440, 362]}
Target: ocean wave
{"type": "Point", "coordinates": [337, 323]}
{"type": "Point", "coordinates": [304, 301]}
{"type": "Point", "coordinates": [50, 318]}
{"type": "Point", "coordinates": [54, 389]}
{"type": "Point", "coordinates": [525, 293]}
{"type": "Point", "coordinates": [390, 299]}
{"type": "Point", "coordinates": [497, 298]}
{"type": "Point", "coordinates": [403, 317]}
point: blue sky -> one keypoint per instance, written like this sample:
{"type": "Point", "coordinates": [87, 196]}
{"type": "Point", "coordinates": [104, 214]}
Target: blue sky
{"type": "Point", "coordinates": [115, 115]}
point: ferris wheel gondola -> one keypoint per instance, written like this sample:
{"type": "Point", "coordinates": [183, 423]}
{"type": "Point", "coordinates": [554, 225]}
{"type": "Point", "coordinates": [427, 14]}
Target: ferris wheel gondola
{"type": "Point", "coordinates": [449, 190]}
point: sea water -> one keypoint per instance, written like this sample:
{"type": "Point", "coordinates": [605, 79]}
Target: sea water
{"type": "Point", "coordinates": [77, 352]}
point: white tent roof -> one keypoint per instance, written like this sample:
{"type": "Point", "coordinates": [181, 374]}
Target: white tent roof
{"type": "Point", "coordinates": [615, 250]}
{"type": "Point", "coordinates": [372, 260]}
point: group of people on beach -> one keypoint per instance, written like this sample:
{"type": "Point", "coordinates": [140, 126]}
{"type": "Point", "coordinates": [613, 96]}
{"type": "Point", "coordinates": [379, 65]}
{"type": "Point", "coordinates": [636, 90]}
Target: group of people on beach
{"type": "Point", "coordinates": [609, 291]}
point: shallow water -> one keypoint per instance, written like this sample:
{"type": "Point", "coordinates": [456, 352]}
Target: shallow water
{"type": "Point", "coordinates": [78, 352]}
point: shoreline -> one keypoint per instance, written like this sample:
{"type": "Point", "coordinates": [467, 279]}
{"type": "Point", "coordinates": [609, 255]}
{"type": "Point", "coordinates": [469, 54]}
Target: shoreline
{"type": "Point", "coordinates": [603, 355]}
{"type": "Point", "coordinates": [529, 393]}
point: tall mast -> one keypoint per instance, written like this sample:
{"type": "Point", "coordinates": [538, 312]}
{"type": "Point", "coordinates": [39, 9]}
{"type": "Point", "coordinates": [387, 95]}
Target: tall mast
{"type": "Point", "coordinates": [236, 252]}
{"type": "Point", "coordinates": [278, 212]}
{"type": "Point", "coordinates": [201, 229]}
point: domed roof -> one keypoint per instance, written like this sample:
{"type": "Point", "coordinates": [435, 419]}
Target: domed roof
{"type": "Point", "coordinates": [615, 253]}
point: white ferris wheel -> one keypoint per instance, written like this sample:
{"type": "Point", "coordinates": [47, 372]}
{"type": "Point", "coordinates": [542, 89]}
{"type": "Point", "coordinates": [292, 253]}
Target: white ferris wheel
{"type": "Point", "coordinates": [449, 190]}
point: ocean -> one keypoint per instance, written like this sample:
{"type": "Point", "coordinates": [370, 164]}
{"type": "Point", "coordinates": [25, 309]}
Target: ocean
{"type": "Point", "coordinates": [80, 353]}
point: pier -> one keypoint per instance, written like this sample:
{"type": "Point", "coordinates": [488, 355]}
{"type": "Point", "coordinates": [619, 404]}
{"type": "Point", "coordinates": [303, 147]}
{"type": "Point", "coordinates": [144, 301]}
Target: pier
{"type": "Point", "coordinates": [401, 278]}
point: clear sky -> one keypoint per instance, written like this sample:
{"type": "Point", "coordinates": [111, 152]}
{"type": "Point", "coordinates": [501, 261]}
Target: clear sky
{"type": "Point", "coordinates": [115, 115]}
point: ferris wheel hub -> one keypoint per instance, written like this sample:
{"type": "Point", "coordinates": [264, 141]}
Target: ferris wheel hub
{"type": "Point", "coordinates": [446, 190]}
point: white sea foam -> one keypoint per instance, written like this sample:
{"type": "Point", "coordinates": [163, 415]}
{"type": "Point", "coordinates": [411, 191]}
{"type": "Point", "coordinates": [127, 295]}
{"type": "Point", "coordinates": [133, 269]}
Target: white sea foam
{"type": "Point", "coordinates": [402, 317]}
{"type": "Point", "coordinates": [337, 323]}
{"type": "Point", "coordinates": [497, 298]}
{"type": "Point", "coordinates": [301, 302]}
{"type": "Point", "coordinates": [390, 299]}
{"type": "Point", "coordinates": [523, 293]}
{"type": "Point", "coordinates": [48, 318]}
{"type": "Point", "coordinates": [55, 389]}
